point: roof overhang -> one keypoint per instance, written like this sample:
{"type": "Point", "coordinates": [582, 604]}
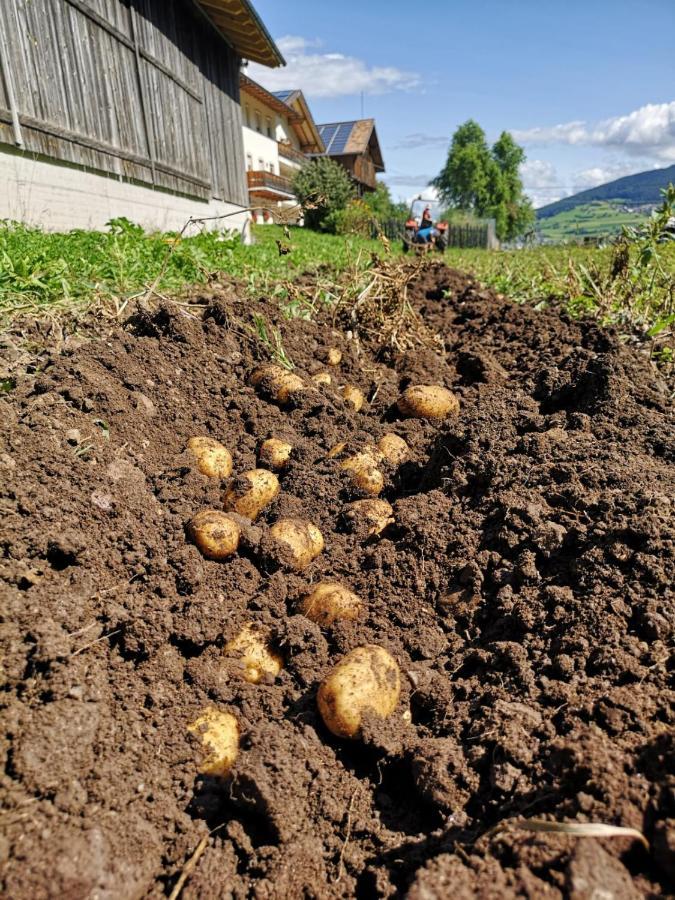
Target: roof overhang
{"type": "Point", "coordinates": [253, 89]}
{"type": "Point", "coordinates": [243, 29]}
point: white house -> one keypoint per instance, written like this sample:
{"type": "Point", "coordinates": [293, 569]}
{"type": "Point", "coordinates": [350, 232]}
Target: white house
{"type": "Point", "coordinates": [279, 135]}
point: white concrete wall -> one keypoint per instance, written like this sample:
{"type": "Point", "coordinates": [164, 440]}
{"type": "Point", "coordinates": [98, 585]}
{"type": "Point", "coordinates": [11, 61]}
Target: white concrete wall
{"type": "Point", "coordinates": [259, 146]}
{"type": "Point", "coordinates": [58, 197]}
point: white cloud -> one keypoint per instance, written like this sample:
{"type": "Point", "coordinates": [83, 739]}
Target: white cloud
{"type": "Point", "coordinates": [590, 178]}
{"type": "Point", "coordinates": [329, 74]}
{"type": "Point", "coordinates": [419, 139]}
{"type": "Point", "coordinates": [648, 131]}
{"type": "Point", "coordinates": [408, 180]}
{"type": "Point", "coordinates": [541, 182]}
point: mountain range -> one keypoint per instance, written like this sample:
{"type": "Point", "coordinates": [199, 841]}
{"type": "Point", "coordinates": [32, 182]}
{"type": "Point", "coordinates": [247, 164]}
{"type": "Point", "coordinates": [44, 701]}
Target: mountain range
{"type": "Point", "coordinates": [632, 191]}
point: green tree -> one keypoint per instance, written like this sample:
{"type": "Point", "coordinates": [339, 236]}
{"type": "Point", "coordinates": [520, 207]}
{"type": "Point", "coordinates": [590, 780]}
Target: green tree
{"type": "Point", "coordinates": [323, 188]}
{"type": "Point", "coordinates": [485, 181]}
{"type": "Point", "coordinates": [382, 207]}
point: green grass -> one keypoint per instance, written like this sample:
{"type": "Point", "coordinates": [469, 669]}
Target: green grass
{"type": "Point", "coordinates": [598, 219]}
{"type": "Point", "coordinates": [46, 273]}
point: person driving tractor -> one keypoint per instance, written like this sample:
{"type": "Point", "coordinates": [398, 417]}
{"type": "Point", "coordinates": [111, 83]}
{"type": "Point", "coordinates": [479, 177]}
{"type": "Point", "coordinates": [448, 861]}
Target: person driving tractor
{"type": "Point", "coordinates": [423, 231]}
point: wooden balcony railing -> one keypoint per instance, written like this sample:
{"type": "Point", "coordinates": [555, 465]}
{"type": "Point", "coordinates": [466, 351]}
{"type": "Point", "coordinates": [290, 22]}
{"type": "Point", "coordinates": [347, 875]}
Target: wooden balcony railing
{"type": "Point", "coordinates": [288, 151]}
{"type": "Point", "coordinates": [266, 183]}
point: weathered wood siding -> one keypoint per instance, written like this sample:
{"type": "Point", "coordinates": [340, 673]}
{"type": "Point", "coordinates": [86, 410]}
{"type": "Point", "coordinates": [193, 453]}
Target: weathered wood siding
{"type": "Point", "coordinates": [144, 89]}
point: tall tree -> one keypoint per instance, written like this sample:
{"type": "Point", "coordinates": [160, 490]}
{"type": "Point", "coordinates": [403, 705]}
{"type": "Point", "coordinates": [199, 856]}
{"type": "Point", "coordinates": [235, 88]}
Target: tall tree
{"type": "Point", "coordinates": [486, 181]}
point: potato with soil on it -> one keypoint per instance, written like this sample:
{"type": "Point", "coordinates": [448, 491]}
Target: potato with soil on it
{"type": "Point", "coordinates": [275, 454]}
{"type": "Point", "coordinates": [366, 680]}
{"type": "Point", "coordinates": [253, 655]}
{"type": "Point", "coordinates": [394, 449]}
{"type": "Point", "coordinates": [363, 470]}
{"type": "Point", "coordinates": [428, 401]}
{"type": "Point", "coordinates": [218, 732]}
{"type": "Point", "coordinates": [353, 397]}
{"type": "Point", "coordinates": [251, 492]}
{"type": "Point", "coordinates": [322, 378]}
{"type": "Point", "coordinates": [212, 459]}
{"type": "Point", "coordinates": [333, 356]}
{"type": "Point", "coordinates": [369, 517]}
{"type": "Point", "coordinates": [277, 383]}
{"type": "Point", "coordinates": [329, 601]}
{"type": "Point", "coordinates": [296, 542]}
{"type": "Point", "coordinates": [215, 534]}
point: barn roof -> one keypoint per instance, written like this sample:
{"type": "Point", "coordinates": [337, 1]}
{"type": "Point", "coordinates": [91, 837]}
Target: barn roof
{"type": "Point", "coordinates": [347, 138]}
{"type": "Point", "coordinates": [243, 29]}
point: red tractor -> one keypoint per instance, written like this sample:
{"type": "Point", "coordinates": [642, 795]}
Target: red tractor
{"type": "Point", "coordinates": [421, 233]}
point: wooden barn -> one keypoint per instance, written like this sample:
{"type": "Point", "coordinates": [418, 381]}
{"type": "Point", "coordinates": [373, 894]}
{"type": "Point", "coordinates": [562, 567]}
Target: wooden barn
{"type": "Point", "coordinates": [355, 146]}
{"type": "Point", "coordinates": [125, 108]}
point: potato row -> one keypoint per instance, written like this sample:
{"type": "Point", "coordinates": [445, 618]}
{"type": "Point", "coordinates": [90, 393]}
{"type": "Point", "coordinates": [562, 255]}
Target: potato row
{"type": "Point", "coordinates": [368, 678]}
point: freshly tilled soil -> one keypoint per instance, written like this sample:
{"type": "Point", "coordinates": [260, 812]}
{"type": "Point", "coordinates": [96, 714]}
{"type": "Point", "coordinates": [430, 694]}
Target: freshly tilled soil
{"type": "Point", "coordinates": [525, 589]}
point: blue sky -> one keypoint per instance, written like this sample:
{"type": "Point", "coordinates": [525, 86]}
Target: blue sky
{"type": "Point", "coordinates": [588, 86]}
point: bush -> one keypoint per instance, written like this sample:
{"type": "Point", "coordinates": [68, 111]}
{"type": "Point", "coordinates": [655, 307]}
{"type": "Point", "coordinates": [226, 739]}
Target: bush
{"type": "Point", "coordinates": [323, 189]}
{"type": "Point", "coordinates": [355, 218]}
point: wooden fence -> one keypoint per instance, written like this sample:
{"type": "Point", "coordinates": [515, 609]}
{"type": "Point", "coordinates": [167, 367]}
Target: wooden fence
{"type": "Point", "coordinates": [142, 89]}
{"type": "Point", "coordinates": [482, 235]}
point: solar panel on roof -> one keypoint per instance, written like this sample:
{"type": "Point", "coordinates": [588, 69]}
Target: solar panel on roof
{"type": "Point", "coordinates": [341, 137]}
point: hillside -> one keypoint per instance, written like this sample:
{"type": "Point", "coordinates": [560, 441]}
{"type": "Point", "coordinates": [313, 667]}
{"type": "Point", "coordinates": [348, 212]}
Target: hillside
{"type": "Point", "coordinates": [588, 220]}
{"type": "Point", "coordinates": [632, 190]}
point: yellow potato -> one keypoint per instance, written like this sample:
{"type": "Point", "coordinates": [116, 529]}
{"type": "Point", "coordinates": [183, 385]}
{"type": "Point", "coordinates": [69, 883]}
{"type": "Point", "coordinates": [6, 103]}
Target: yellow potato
{"type": "Point", "coordinates": [322, 378]}
{"type": "Point", "coordinates": [215, 533]}
{"type": "Point", "coordinates": [275, 454]}
{"type": "Point", "coordinates": [212, 458]}
{"type": "Point", "coordinates": [254, 655]}
{"type": "Point", "coordinates": [277, 382]}
{"type": "Point", "coordinates": [365, 680]}
{"type": "Point", "coordinates": [353, 397]}
{"type": "Point", "coordinates": [301, 540]}
{"type": "Point", "coordinates": [334, 356]}
{"type": "Point", "coordinates": [336, 450]}
{"type": "Point", "coordinates": [363, 470]}
{"type": "Point", "coordinates": [428, 401]}
{"type": "Point", "coordinates": [251, 492]}
{"type": "Point", "coordinates": [394, 448]}
{"type": "Point", "coordinates": [329, 601]}
{"type": "Point", "coordinates": [219, 733]}
{"type": "Point", "coordinates": [370, 516]}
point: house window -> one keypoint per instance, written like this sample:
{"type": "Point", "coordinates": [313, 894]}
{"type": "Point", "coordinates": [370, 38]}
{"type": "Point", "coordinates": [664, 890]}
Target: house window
{"type": "Point", "coordinates": [258, 121]}
{"type": "Point", "coordinates": [270, 167]}
{"type": "Point", "coordinates": [249, 162]}
{"type": "Point", "coordinates": [261, 164]}
{"type": "Point", "coordinates": [247, 116]}
{"type": "Point", "coordinates": [269, 127]}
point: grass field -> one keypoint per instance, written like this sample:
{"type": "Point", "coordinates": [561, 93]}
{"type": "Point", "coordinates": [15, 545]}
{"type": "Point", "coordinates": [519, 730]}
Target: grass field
{"type": "Point", "coordinates": [43, 273]}
{"type": "Point", "coordinates": [593, 220]}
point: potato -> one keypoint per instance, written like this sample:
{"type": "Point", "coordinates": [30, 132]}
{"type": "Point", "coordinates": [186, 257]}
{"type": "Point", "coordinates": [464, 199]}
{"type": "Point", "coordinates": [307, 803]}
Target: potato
{"type": "Point", "coordinates": [328, 601]}
{"type": "Point", "coordinates": [212, 458]}
{"type": "Point", "coordinates": [353, 397]}
{"type": "Point", "coordinates": [254, 655]}
{"type": "Point", "coordinates": [394, 448]}
{"type": "Point", "coordinates": [301, 541]}
{"type": "Point", "coordinates": [428, 401]}
{"type": "Point", "coordinates": [275, 454]}
{"type": "Point", "coordinates": [336, 450]}
{"type": "Point", "coordinates": [277, 382]}
{"type": "Point", "coordinates": [365, 680]}
{"type": "Point", "coordinates": [334, 356]}
{"type": "Point", "coordinates": [219, 733]}
{"type": "Point", "coordinates": [215, 533]}
{"type": "Point", "coordinates": [251, 492]}
{"type": "Point", "coordinates": [363, 470]}
{"type": "Point", "coordinates": [369, 516]}
{"type": "Point", "coordinates": [322, 378]}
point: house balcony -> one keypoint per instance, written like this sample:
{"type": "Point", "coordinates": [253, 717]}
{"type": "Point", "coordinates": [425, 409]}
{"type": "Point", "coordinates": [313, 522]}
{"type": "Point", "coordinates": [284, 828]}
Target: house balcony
{"type": "Point", "coordinates": [289, 154]}
{"type": "Point", "coordinates": [269, 186]}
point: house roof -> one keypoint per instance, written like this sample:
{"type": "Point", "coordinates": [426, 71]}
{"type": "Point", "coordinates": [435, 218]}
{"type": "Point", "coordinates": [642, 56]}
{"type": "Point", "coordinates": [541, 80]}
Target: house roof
{"type": "Point", "coordinates": [294, 108]}
{"type": "Point", "coordinates": [243, 29]}
{"type": "Point", "coordinates": [352, 138]}
{"type": "Point", "coordinates": [251, 87]}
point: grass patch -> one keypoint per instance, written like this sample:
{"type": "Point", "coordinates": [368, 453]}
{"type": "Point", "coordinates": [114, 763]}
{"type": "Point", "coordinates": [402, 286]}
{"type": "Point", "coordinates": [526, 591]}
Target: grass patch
{"type": "Point", "coordinates": [601, 218]}
{"type": "Point", "coordinates": [44, 273]}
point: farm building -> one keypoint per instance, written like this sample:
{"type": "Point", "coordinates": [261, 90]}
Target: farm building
{"type": "Point", "coordinates": [356, 147]}
{"type": "Point", "coordinates": [125, 108]}
{"type": "Point", "coordinates": [279, 134]}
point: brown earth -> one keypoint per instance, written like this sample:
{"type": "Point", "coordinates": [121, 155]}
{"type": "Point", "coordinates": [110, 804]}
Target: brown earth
{"type": "Point", "coordinates": [525, 589]}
